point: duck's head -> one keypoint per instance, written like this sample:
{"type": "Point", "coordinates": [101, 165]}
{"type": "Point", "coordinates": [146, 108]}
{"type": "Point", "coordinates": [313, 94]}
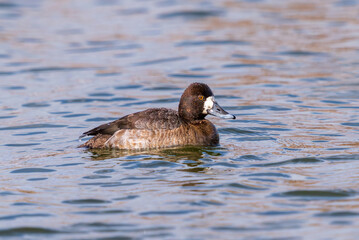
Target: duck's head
{"type": "Point", "coordinates": [197, 101]}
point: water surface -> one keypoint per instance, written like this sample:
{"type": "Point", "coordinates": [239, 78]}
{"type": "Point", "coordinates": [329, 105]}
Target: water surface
{"type": "Point", "coordinates": [287, 167]}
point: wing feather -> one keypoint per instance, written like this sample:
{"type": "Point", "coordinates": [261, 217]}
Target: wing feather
{"type": "Point", "coordinates": [150, 119]}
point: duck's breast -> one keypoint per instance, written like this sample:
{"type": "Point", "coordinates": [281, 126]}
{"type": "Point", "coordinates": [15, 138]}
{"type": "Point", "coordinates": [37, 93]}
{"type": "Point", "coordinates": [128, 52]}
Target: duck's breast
{"type": "Point", "coordinates": [202, 132]}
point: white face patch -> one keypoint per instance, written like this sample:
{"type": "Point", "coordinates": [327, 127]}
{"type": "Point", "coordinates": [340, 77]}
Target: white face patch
{"type": "Point", "coordinates": [208, 104]}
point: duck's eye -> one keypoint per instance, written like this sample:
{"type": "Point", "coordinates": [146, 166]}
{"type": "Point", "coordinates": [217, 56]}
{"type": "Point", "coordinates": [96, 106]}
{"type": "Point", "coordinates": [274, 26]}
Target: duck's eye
{"type": "Point", "coordinates": [200, 97]}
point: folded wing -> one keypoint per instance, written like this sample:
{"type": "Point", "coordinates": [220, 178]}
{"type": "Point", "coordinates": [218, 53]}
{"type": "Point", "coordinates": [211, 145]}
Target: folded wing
{"type": "Point", "coordinates": [150, 119]}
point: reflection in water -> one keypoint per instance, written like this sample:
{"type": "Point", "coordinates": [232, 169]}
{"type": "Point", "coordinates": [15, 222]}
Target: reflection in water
{"type": "Point", "coordinates": [192, 153]}
{"type": "Point", "coordinates": [288, 70]}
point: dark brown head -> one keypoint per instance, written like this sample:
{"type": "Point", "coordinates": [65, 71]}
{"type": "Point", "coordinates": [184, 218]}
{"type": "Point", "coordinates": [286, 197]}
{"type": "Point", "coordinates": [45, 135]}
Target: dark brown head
{"type": "Point", "coordinates": [197, 101]}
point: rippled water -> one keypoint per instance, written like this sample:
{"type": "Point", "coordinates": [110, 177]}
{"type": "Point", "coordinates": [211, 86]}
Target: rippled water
{"type": "Point", "coordinates": [287, 167]}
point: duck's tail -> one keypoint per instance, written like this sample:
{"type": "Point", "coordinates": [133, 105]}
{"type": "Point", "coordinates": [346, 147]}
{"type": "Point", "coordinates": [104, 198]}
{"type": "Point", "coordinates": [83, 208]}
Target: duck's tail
{"type": "Point", "coordinates": [97, 141]}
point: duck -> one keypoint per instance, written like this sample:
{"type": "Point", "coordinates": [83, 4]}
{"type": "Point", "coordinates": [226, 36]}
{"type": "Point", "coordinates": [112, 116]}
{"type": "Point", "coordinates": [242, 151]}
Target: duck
{"type": "Point", "coordinates": [162, 127]}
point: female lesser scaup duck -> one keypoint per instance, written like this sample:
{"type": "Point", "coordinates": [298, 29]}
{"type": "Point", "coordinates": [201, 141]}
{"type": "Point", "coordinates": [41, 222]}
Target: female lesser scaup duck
{"type": "Point", "coordinates": [162, 127]}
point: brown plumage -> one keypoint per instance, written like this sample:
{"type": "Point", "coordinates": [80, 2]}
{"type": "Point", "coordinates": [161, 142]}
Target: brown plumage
{"type": "Point", "coordinates": [162, 127]}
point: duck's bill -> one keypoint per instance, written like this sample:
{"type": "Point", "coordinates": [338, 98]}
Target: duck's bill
{"type": "Point", "coordinates": [216, 110]}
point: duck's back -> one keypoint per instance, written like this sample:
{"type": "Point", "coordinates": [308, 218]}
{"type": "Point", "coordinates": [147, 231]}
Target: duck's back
{"type": "Point", "coordinates": [133, 128]}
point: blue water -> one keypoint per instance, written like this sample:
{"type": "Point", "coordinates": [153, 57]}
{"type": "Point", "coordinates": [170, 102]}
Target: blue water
{"type": "Point", "coordinates": [286, 168]}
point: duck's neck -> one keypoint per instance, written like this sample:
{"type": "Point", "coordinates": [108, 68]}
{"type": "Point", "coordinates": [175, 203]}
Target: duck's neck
{"type": "Point", "coordinates": [187, 115]}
